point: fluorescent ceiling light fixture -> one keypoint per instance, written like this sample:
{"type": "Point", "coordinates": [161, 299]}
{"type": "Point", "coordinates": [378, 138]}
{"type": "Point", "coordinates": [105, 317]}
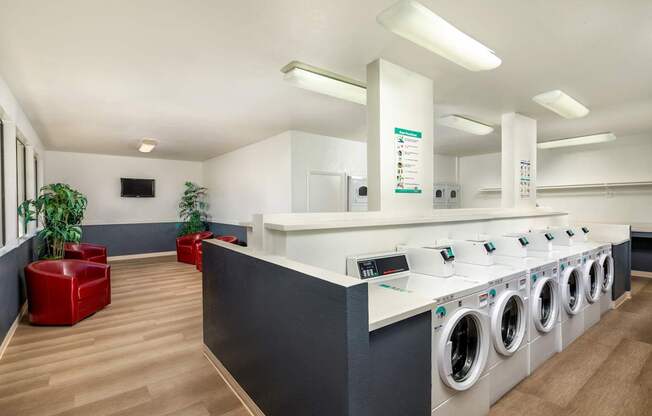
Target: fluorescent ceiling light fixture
{"type": "Point", "coordinates": [465, 124]}
{"type": "Point", "coordinates": [325, 82]}
{"type": "Point", "coordinates": [415, 22]}
{"type": "Point", "coordinates": [578, 141]}
{"type": "Point", "coordinates": [562, 104]}
{"type": "Point", "coordinates": [147, 145]}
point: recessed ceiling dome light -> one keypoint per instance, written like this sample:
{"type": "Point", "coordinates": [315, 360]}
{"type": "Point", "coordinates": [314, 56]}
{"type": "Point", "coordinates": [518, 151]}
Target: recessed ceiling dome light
{"type": "Point", "coordinates": [465, 124]}
{"type": "Point", "coordinates": [147, 145]}
{"type": "Point", "coordinates": [325, 82]}
{"type": "Point", "coordinates": [578, 141]}
{"type": "Point", "coordinates": [562, 104]}
{"type": "Point", "coordinates": [417, 23]}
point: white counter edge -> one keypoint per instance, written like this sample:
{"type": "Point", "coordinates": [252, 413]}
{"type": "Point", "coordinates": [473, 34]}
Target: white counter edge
{"type": "Point", "coordinates": [319, 273]}
{"type": "Point", "coordinates": [389, 221]}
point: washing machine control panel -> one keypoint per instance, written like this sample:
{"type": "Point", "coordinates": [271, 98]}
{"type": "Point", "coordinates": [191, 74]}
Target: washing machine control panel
{"type": "Point", "coordinates": [382, 266]}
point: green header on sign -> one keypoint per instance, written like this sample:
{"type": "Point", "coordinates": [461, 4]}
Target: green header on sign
{"type": "Point", "coordinates": [406, 132]}
{"type": "Point", "coordinates": [407, 191]}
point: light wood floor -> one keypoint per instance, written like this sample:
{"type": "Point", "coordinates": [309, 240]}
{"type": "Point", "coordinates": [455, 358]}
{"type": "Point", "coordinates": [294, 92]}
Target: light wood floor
{"type": "Point", "coordinates": [606, 372]}
{"type": "Point", "coordinates": [142, 356]}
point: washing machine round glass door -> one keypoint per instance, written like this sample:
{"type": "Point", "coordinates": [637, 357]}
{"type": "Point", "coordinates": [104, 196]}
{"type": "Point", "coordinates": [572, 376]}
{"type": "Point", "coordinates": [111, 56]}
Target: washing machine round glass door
{"type": "Point", "coordinates": [571, 290]}
{"type": "Point", "coordinates": [592, 281]}
{"type": "Point", "coordinates": [544, 301]}
{"type": "Point", "coordinates": [463, 349]}
{"type": "Point", "coordinates": [607, 263]}
{"type": "Point", "coordinates": [508, 322]}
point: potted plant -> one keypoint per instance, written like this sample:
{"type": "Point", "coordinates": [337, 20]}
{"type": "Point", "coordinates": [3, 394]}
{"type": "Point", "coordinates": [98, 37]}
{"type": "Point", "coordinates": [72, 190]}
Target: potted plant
{"type": "Point", "coordinates": [62, 210]}
{"type": "Point", "coordinates": [192, 209]}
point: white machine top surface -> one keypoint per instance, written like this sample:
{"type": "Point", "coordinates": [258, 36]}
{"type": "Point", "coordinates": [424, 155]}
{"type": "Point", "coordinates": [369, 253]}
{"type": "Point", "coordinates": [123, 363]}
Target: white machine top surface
{"type": "Point", "coordinates": [434, 288]}
{"type": "Point", "coordinates": [489, 274]}
{"type": "Point", "coordinates": [388, 306]}
{"type": "Point", "coordinates": [525, 262]}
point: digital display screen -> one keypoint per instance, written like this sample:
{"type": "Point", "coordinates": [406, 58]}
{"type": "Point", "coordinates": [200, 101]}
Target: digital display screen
{"type": "Point", "coordinates": [137, 188]}
{"type": "Point", "coordinates": [448, 254]}
{"type": "Point", "coordinates": [585, 230]}
{"type": "Point", "coordinates": [489, 247]}
{"type": "Point", "coordinates": [383, 266]}
{"type": "Point", "coordinates": [570, 233]}
{"type": "Point", "coordinates": [549, 237]}
{"type": "Point", "coordinates": [523, 241]}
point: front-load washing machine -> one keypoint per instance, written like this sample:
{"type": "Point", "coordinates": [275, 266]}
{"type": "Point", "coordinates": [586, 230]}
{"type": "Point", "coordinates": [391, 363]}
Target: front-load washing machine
{"type": "Point", "coordinates": [461, 327]}
{"type": "Point", "coordinates": [544, 332]}
{"type": "Point", "coordinates": [571, 284]}
{"type": "Point", "coordinates": [591, 270]}
{"type": "Point", "coordinates": [606, 263]}
{"type": "Point", "coordinates": [509, 356]}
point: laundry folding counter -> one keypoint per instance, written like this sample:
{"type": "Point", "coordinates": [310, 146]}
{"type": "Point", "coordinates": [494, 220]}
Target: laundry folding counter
{"type": "Point", "coordinates": [293, 339]}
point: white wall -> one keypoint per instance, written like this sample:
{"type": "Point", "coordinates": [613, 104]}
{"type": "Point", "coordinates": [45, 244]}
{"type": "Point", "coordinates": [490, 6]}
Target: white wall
{"type": "Point", "coordinates": [98, 177]}
{"type": "Point", "coordinates": [250, 180]}
{"type": "Point", "coordinates": [626, 159]}
{"type": "Point", "coordinates": [16, 124]}
{"type": "Point", "coordinates": [323, 153]}
{"type": "Point", "coordinates": [445, 168]}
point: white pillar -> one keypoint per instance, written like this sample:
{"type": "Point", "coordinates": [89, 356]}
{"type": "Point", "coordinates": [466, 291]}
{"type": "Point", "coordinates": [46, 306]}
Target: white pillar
{"type": "Point", "coordinates": [399, 138]}
{"type": "Point", "coordinates": [519, 161]}
{"type": "Point", "coordinates": [11, 202]}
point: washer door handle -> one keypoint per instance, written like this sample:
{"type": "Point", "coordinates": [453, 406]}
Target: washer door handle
{"type": "Point", "coordinates": [448, 358]}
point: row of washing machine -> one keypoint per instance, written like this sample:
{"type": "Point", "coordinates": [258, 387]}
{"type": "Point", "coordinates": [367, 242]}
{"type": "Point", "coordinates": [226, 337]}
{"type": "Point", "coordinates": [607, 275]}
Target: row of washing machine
{"type": "Point", "coordinates": [504, 305]}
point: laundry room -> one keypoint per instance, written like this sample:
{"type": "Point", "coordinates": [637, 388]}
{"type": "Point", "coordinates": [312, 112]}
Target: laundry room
{"type": "Point", "coordinates": [290, 208]}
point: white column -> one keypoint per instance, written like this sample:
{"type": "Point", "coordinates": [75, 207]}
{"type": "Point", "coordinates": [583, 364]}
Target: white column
{"type": "Point", "coordinates": [11, 200]}
{"type": "Point", "coordinates": [399, 117]}
{"type": "Point", "coordinates": [519, 161]}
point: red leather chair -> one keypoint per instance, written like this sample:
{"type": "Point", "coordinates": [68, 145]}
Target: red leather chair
{"type": "Point", "coordinates": [85, 251]}
{"type": "Point", "coordinates": [198, 248]}
{"type": "Point", "coordinates": [63, 292]}
{"type": "Point", "coordinates": [186, 246]}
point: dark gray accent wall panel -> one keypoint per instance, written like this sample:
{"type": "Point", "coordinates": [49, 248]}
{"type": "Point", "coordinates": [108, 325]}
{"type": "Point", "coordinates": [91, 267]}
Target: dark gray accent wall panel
{"type": "Point", "coordinates": [401, 368]}
{"type": "Point", "coordinates": [642, 251]}
{"type": "Point", "coordinates": [123, 239]}
{"type": "Point", "coordinates": [12, 283]}
{"type": "Point", "coordinates": [622, 254]}
{"type": "Point", "coordinates": [229, 229]}
{"type": "Point", "coordinates": [297, 345]}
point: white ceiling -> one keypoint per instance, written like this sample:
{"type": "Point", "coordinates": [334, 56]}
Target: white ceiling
{"type": "Point", "coordinates": [202, 76]}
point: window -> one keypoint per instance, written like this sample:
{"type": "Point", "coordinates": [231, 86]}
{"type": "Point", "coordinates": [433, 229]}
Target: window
{"type": "Point", "coordinates": [21, 183]}
{"type": "Point", "coordinates": [3, 236]}
{"type": "Point", "coordinates": [36, 184]}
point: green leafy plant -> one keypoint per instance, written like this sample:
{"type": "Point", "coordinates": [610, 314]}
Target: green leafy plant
{"type": "Point", "coordinates": [192, 209]}
{"type": "Point", "coordinates": [62, 210]}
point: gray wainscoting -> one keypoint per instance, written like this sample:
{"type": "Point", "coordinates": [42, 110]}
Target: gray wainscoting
{"type": "Point", "coordinates": [142, 238]}
{"type": "Point", "coordinates": [12, 282]}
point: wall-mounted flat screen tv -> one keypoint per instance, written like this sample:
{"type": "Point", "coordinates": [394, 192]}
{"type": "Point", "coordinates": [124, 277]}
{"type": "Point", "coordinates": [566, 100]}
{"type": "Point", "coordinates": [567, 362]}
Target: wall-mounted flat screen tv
{"type": "Point", "coordinates": [137, 188]}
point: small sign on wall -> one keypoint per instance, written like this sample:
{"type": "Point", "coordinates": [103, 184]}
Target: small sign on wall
{"type": "Point", "coordinates": [407, 145]}
{"type": "Point", "coordinates": [526, 179]}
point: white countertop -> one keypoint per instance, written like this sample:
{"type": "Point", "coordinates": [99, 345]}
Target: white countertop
{"type": "Point", "coordinates": [642, 228]}
{"type": "Point", "coordinates": [388, 306]}
{"type": "Point", "coordinates": [320, 221]}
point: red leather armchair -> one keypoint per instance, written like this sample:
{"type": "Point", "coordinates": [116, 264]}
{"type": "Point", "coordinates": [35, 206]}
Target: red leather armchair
{"type": "Point", "coordinates": [85, 251]}
{"type": "Point", "coordinates": [198, 249]}
{"type": "Point", "coordinates": [63, 292]}
{"type": "Point", "coordinates": [186, 246]}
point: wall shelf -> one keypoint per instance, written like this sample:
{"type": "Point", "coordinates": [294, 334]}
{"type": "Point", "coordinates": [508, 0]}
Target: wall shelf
{"type": "Point", "coordinates": [604, 185]}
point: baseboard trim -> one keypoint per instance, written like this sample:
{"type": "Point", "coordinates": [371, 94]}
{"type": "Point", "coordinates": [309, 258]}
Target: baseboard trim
{"type": "Point", "coordinates": [142, 256]}
{"type": "Point", "coordinates": [12, 330]}
{"type": "Point", "coordinates": [639, 273]}
{"type": "Point", "coordinates": [622, 299]}
{"type": "Point", "coordinates": [242, 395]}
